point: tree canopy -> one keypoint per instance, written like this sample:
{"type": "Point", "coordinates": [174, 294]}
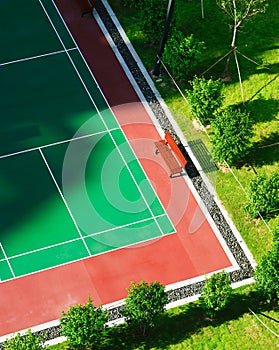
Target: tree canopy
{"type": "Point", "coordinates": [216, 293]}
{"type": "Point", "coordinates": [267, 271]}
{"type": "Point", "coordinates": [84, 325]}
{"type": "Point", "coordinates": [144, 303]}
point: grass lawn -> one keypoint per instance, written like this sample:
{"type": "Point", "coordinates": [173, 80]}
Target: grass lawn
{"type": "Point", "coordinates": [186, 327]}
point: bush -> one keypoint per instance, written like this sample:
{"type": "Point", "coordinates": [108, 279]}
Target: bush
{"type": "Point", "coordinates": [133, 3]}
{"type": "Point", "coordinates": [216, 293]}
{"type": "Point", "coordinates": [182, 54]}
{"type": "Point", "coordinates": [84, 326]}
{"type": "Point", "coordinates": [263, 195]}
{"type": "Point", "coordinates": [205, 98]}
{"type": "Point", "coordinates": [29, 341]}
{"type": "Point", "coordinates": [267, 272]}
{"type": "Point", "coordinates": [153, 17]}
{"type": "Point", "coordinates": [144, 303]}
{"type": "Point", "coordinates": [232, 135]}
{"type": "Point", "coordinates": [152, 14]}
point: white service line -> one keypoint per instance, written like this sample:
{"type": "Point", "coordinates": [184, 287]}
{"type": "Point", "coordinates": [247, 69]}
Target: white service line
{"type": "Point", "coordinates": [38, 56]}
{"type": "Point", "coordinates": [64, 200]}
{"type": "Point", "coordinates": [7, 260]}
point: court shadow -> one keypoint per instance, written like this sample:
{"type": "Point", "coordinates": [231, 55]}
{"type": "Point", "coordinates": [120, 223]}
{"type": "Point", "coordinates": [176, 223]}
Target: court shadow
{"type": "Point", "coordinates": [20, 133]}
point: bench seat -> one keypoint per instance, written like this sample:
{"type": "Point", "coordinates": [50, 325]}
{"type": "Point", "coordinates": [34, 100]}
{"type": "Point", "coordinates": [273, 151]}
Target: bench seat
{"type": "Point", "coordinates": [169, 158]}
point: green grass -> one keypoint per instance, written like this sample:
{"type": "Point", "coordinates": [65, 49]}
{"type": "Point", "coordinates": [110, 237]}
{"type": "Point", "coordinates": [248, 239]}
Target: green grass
{"type": "Point", "coordinates": [186, 327]}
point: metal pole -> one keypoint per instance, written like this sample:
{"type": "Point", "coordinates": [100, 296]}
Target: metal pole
{"type": "Point", "coordinates": [202, 10]}
{"type": "Point", "coordinates": [156, 69]}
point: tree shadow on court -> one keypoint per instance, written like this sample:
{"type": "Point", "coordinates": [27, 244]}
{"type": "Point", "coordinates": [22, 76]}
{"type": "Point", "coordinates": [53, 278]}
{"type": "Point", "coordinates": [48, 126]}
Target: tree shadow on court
{"type": "Point", "coordinates": [181, 323]}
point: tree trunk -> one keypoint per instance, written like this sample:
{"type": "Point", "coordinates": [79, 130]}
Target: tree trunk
{"type": "Point", "coordinates": [226, 73]}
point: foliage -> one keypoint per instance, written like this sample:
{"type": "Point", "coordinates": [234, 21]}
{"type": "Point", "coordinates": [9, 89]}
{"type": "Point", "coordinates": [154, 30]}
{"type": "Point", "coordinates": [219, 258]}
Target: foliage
{"type": "Point", "coordinates": [216, 293]}
{"type": "Point", "coordinates": [239, 10]}
{"type": "Point", "coordinates": [133, 3]}
{"type": "Point", "coordinates": [84, 326]}
{"type": "Point", "coordinates": [205, 98]}
{"type": "Point", "coordinates": [263, 195]}
{"type": "Point", "coordinates": [29, 341]}
{"type": "Point", "coordinates": [144, 303]}
{"type": "Point", "coordinates": [267, 272]}
{"type": "Point", "coordinates": [232, 134]}
{"type": "Point", "coordinates": [182, 53]}
{"type": "Point", "coordinates": [152, 16]}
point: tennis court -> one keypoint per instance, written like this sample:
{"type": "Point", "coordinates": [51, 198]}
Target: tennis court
{"type": "Point", "coordinates": [72, 186]}
{"type": "Point", "coordinates": [86, 204]}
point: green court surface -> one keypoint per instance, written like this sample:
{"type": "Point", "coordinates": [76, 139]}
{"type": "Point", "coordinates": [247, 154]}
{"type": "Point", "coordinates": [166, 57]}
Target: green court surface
{"type": "Point", "coordinates": [71, 186]}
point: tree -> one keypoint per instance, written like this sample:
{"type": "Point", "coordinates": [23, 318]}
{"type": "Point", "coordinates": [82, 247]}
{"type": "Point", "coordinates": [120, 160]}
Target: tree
{"type": "Point", "coordinates": [267, 272]}
{"type": "Point", "coordinates": [238, 11]}
{"type": "Point", "coordinates": [28, 341]}
{"type": "Point", "coordinates": [133, 3]}
{"type": "Point", "coordinates": [205, 98]}
{"type": "Point", "coordinates": [232, 135]}
{"type": "Point", "coordinates": [216, 293]}
{"type": "Point", "coordinates": [84, 326]}
{"type": "Point", "coordinates": [182, 53]}
{"type": "Point", "coordinates": [263, 195]}
{"type": "Point", "coordinates": [152, 14]}
{"type": "Point", "coordinates": [144, 303]}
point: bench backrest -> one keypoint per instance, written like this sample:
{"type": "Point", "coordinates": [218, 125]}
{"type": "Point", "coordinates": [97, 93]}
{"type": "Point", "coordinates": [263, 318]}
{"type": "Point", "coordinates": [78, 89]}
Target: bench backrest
{"type": "Point", "coordinates": [169, 139]}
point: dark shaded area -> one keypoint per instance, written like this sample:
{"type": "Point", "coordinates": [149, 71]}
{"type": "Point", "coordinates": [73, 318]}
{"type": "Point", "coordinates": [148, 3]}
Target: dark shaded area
{"type": "Point", "coordinates": [258, 109]}
{"type": "Point", "coordinates": [266, 151]}
{"type": "Point", "coordinates": [203, 155]}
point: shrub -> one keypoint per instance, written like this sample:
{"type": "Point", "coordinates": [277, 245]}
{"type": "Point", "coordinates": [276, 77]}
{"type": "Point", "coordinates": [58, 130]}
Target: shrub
{"type": "Point", "coordinates": [205, 98]}
{"type": "Point", "coordinates": [182, 54]}
{"type": "Point", "coordinates": [267, 272]}
{"type": "Point", "coordinates": [153, 17]}
{"type": "Point", "coordinates": [144, 303]}
{"type": "Point", "coordinates": [29, 341]}
{"type": "Point", "coordinates": [84, 326]}
{"type": "Point", "coordinates": [263, 195]}
{"type": "Point", "coordinates": [232, 135]}
{"type": "Point", "coordinates": [216, 293]}
{"type": "Point", "coordinates": [133, 3]}
{"type": "Point", "coordinates": [152, 14]}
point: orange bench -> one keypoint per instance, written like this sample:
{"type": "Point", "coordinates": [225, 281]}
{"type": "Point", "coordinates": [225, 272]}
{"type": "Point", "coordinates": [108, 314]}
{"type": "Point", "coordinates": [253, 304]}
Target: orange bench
{"type": "Point", "coordinates": [171, 154]}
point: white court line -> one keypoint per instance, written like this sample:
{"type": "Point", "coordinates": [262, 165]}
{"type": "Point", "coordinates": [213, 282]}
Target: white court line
{"type": "Point", "coordinates": [7, 259]}
{"type": "Point", "coordinates": [64, 200]}
{"type": "Point", "coordinates": [45, 248]}
{"type": "Point", "coordinates": [130, 245]}
{"type": "Point", "coordinates": [55, 143]}
{"type": "Point", "coordinates": [127, 225]}
{"type": "Point", "coordinates": [38, 56]}
{"type": "Point", "coordinates": [83, 237]}
{"type": "Point", "coordinates": [93, 102]}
